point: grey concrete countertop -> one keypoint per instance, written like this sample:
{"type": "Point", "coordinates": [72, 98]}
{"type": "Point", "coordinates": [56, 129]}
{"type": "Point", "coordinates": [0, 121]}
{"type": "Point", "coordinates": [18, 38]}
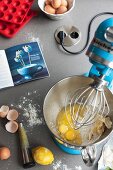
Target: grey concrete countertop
{"type": "Point", "coordinates": [60, 65]}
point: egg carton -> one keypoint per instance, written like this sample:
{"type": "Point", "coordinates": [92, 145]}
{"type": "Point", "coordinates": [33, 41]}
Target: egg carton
{"type": "Point", "coordinates": [14, 11]}
{"type": "Point", "coordinates": [9, 29]}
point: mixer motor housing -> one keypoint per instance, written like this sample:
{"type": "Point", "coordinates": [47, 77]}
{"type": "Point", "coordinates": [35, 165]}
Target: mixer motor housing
{"type": "Point", "coordinates": [100, 52]}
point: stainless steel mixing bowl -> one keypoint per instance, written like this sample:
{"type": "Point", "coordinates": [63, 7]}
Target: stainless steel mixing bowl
{"type": "Point", "coordinates": [55, 101]}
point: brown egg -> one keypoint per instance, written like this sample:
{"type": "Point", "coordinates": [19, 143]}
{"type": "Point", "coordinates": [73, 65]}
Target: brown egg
{"type": "Point", "coordinates": [64, 3]}
{"type": "Point", "coordinates": [12, 114]}
{"type": "Point", "coordinates": [11, 126]}
{"type": "Point", "coordinates": [56, 3]}
{"type": "Point", "coordinates": [3, 111]}
{"type": "Point", "coordinates": [4, 153]}
{"type": "Point", "coordinates": [48, 2]}
{"type": "Point", "coordinates": [61, 10]}
{"type": "Point", "coordinates": [49, 9]}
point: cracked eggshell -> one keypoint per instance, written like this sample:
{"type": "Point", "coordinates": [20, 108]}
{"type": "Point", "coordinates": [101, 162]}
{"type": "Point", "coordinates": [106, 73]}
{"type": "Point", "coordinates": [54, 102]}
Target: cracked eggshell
{"type": "Point", "coordinates": [11, 126]}
{"type": "Point", "coordinates": [12, 114]}
{"type": "Point", "coordinates": [4, 111]}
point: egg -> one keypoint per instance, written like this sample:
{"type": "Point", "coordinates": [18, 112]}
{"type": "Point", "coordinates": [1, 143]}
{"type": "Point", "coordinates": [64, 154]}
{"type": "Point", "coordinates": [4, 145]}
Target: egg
{"type": "Point", "coordinates": [48, 2]}
{"type": "Point", "coordinates": [4, 111]}
{"type": "Point", "coordinates": [49, 9]}
{"type": "Point", "coordinates": [42, 155]}
{"type": "Point", "coordinates": [4, 153]}
{"type": "Point", "coordinates": [12, 114]}
{"type": "Point", "coordinates": [70, 135]}
{"type": "Point", "coordinates": [64, 3]}
{"type": "Point", "coordinates": [56, 3]}
{"type": "Point", "coordinates": [11, 126]}
{"type": "Point", "coordinates": [61, 10]}
{"type": "Point", "coordinates": [63, 129]}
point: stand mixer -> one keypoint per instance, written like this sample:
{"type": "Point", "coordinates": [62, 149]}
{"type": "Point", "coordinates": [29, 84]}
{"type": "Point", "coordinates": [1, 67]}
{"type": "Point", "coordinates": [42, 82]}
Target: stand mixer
{"type": "Point", "coordinates": [100, 54]}
{"type": "Point", "coordinates": [91, 93]}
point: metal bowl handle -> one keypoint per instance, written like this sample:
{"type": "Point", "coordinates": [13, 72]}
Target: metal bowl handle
{"type": "Point", "coordinates": [89, 155]}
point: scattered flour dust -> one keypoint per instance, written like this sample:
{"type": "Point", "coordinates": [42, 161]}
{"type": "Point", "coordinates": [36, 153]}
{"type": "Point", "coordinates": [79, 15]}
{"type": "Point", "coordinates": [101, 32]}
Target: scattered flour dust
{"type": "Point", "coordinates": [31, 114]}
{"type": "Point", "coordinates": [78, 168]}
{"type": "Point", "coordinates": [31, 37]}
{"type": "Point", "coordinates": [30, 109]}
{"type": "Point", "coordinates": [58, 165]}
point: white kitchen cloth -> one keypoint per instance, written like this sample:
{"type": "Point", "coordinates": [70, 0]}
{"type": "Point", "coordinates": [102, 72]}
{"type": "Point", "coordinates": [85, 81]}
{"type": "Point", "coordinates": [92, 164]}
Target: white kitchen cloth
{"type": "Point", "coordinates": [106, 159]}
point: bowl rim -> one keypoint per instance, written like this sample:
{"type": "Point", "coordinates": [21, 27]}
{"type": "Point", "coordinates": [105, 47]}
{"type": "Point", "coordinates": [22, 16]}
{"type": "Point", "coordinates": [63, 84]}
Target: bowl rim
{"type": "Point", "coordinates": [97, 142]}
{"type": "Point", "coordinates": [57, 14]}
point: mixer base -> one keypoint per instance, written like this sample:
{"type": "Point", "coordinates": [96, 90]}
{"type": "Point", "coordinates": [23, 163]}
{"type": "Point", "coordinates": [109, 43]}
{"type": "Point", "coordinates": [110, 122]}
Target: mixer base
{"type": "Point", "coordinates": [66, 149]}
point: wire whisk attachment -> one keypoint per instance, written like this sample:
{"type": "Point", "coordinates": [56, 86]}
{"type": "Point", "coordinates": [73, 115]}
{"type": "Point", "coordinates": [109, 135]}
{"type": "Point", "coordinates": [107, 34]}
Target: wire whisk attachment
{"type": "Point", "coordinates": [85, 105]}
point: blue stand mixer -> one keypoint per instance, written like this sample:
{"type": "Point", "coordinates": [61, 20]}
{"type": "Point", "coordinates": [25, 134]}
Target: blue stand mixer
{"type": "Point", "coordinates": [100, 53]}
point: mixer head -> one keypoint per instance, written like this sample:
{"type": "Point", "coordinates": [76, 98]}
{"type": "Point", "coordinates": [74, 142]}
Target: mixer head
{"type": "Point", "coordinates": [100, 51]}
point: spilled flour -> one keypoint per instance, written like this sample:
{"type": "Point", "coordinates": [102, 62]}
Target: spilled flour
{"type": "Point", "coordinates": [32, 38]}
{"type": "Point", "coordinates": [29, 109]}
{"type": "Point", "coordinates": [31, 114]}
{"type": "Point", "coordinates": [78, 168]}
{"type": "Point", "coordinates": [59, 165]}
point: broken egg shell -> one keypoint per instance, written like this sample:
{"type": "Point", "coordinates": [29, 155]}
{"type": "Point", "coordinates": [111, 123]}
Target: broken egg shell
{"type": "Point", "coordinates": [12, 114]}
{"type": "Point", "coordinates": [11, 126]}
{"type": "Point", "coordinates": [3, 114]}
{"type": "Point", "coordinates": [4, 111]}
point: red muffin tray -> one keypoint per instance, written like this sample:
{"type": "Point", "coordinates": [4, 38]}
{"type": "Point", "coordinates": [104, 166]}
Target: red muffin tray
{"type": "Point", "coordinates": [9, 29]}
{"type": "Point", "coordinates": [14, 11]}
